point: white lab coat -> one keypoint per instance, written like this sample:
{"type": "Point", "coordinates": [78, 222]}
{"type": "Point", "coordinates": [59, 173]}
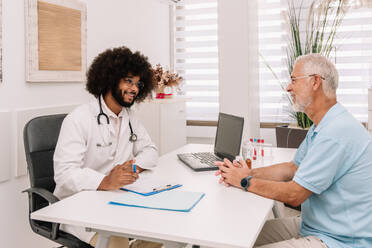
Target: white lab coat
{"type": "Point", "coordinates": [79, 164]}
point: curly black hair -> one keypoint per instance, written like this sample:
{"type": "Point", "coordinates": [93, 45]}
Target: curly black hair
{"type": "Point", "coordinates": [109, 67]}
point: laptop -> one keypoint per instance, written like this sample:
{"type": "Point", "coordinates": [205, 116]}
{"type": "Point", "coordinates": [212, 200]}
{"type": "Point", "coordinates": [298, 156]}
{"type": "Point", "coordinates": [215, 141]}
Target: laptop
{"type": "Point", "coordinates": [226, 145]}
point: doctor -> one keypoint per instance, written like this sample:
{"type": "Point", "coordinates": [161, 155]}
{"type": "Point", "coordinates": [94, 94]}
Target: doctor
{"type": "Point", "coordinates": [100, 141]}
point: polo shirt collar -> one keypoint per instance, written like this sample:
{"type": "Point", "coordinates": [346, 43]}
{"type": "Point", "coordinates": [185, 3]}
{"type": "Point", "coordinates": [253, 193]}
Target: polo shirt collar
{"type": "Point", "coordinates": [329, 116]}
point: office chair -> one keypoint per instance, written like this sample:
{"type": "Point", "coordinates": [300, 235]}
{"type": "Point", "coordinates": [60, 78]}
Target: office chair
{"type": "Point", "coordinates": [40, 137]}
{"type": "Point", "coordinates": [290, 138]}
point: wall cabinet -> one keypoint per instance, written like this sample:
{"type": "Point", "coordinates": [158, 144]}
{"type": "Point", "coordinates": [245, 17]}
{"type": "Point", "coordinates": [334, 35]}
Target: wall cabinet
{"type": "Point", "coordinates": [165, 121]}
{"type": "Point", "coordinates": [370, 110]}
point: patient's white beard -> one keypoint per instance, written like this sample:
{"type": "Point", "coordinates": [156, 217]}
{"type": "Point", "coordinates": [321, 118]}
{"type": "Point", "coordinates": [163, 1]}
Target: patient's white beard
{"type": "Point", "coordinates": [299, 106]}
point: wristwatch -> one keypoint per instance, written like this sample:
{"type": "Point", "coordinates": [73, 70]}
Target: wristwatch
{"type": "Point", "coordinates": [245, 182]}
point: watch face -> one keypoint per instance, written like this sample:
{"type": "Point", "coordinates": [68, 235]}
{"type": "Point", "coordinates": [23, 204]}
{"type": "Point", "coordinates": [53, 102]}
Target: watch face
{"type": "Point", "coordinates": [243, 182]}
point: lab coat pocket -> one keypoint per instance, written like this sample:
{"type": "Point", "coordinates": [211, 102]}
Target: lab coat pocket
{"type": "Point", "coordinates": [103, 151]}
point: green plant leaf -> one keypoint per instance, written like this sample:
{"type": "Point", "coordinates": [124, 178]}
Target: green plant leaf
{"type": "Point", "coordinates": [323, 19]}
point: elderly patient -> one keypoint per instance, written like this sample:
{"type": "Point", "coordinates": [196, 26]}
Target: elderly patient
{"type": "Point", "coordinates": [330, 175]}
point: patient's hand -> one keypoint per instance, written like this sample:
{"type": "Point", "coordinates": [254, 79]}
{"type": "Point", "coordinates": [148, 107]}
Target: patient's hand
{"type": "Point", "coordinates": [218, 173]}
{"type": "Point", "coordinates": [232, 173]}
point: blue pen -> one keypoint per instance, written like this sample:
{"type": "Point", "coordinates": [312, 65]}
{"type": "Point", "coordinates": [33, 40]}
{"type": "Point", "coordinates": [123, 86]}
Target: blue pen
{"type": "Point", "coordinates": [134, 168]}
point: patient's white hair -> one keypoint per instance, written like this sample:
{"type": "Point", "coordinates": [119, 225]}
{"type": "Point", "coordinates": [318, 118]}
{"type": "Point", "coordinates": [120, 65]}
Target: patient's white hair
{"type": "Point", "coordinates": [318, 64]}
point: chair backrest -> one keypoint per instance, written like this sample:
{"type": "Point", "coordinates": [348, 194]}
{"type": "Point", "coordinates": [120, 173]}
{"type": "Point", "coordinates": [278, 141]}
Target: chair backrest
{"type": "Point", "coordinates": [40, 138]}
{"type": "Point", "coordinates": [289, 137]}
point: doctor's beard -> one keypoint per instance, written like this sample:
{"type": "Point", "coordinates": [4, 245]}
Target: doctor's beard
{"type": "Point", "coordinates": [119, 97]}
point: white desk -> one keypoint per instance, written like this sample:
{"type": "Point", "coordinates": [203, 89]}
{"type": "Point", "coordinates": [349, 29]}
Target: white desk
{"type": "Point", "coordinates": [225, 217]}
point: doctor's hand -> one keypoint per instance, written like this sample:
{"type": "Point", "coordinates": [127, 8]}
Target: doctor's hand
{"type": "Point", "coordinates": [128, 166]}
{"type": "Point", "coordinates": [118, 177]}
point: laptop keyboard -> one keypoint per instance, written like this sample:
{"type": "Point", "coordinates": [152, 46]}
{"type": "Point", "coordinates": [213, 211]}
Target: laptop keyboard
{"type": "Point", "coordinates": [206, 157]}
{"type": "Point", "coordinates": [200, 159]}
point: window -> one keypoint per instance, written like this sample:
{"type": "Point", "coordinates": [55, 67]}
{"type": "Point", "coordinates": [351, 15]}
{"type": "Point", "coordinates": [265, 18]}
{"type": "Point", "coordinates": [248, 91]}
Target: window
{"type": "Point", "coordinates": [196, 56]}
{"type": "Point", "coordinates": [353, 53]}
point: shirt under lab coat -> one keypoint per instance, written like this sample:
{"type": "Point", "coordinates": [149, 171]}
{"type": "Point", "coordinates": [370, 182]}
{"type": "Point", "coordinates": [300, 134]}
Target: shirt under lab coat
{"type": "Point", "coordinates": [83, 156]}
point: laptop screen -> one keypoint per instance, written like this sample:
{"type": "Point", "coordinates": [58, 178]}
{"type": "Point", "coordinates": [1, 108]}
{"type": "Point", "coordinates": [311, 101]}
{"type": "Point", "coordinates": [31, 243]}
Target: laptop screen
{"type": "Point", "coordinates": [228, 136]}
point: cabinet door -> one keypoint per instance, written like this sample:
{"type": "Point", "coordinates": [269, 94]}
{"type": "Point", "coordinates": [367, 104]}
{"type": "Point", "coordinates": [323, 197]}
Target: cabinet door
{"type": "Point", "coordinates": [149, 115]}
{"type": "Point", "coordinates": [172, 126]}
{"type": "Point", "coordinates": [370, 110]}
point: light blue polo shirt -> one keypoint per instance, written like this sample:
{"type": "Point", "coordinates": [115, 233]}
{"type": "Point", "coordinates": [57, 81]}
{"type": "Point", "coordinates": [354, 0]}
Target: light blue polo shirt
{"type": "Point", "coordinates": [335, 163]}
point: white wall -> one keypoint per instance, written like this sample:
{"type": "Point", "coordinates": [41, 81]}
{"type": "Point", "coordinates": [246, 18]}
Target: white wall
{"type": "Point", "coordinates": [141, 25]}
{"type": "Point", "coordinates": [206, 135]}
{"type": "Point", "coordinates": [370, 110]}
{"type": "Point", "coordinates": [200, 134]}
{"type": "Point", "coordinates": [238, 71]}
{"type": "Point", "coordinates": [238, 62]}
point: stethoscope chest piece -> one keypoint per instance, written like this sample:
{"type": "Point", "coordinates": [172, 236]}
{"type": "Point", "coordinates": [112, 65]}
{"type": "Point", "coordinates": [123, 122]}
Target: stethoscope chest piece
{"type": "Point", "coordinates": [133, 137]}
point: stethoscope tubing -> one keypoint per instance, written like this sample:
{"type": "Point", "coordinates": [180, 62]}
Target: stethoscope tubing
{"type": "Point", "coordinates": [132, 137]}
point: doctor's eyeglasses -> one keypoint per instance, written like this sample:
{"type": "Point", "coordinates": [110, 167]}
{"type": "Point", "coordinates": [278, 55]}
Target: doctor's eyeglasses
{"type": "Point", "coordinates": [130, 82]}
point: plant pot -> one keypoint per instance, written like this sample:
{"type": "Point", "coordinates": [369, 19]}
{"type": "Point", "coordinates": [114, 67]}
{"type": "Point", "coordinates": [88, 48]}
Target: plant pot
{"type": "Point", "coordinates": [289, 137]}
{"type": "Point", "coordinates": [161, 92]}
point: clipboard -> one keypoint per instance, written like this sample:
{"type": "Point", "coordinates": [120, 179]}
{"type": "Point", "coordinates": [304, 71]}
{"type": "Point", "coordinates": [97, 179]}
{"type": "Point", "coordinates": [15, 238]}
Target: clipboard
{"type": "Point", "coordinates": [179, 201]}
{"type": "Point", "coordinates": [147, 185]}
{"type": "Point", "coordinates": [154, 191]}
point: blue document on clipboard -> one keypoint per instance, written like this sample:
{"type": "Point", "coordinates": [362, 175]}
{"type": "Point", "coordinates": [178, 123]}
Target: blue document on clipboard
{"type": "Point", "coordinates": [175, 200]}
{"type": "Point", "coordinates": [147, 185]}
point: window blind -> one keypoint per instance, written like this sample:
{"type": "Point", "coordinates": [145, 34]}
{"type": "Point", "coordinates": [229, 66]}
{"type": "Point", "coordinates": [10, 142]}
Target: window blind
{"type": "Point", "coordinates": [196, 56]}
{"type": "Point", "coordinates": [352, 59]}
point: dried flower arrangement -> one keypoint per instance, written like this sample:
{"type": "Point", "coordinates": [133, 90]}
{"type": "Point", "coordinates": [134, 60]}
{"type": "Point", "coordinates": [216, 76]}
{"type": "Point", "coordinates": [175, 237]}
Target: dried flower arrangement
{"type": "Point", "coordinates": [165, 80]}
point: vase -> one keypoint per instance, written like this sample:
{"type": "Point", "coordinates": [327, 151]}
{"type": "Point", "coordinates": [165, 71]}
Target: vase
{"type": "Point", "coordinates": [163, 92]}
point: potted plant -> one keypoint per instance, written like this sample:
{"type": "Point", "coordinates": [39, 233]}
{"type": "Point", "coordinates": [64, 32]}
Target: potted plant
{"type": "Point", "coordinates": [166, 80]}
{"type": "Point", "coordinates": [323, 19]}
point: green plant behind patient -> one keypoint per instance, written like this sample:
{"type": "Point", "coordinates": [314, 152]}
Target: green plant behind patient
{"type": "Point", "coordinates": [323, 19]}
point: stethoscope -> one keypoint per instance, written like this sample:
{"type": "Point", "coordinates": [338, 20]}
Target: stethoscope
{"type": "Point", "coordinates": [132, 137]}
